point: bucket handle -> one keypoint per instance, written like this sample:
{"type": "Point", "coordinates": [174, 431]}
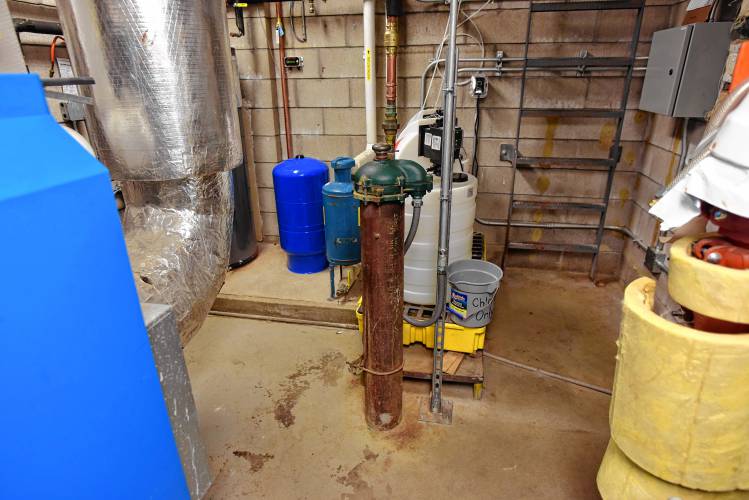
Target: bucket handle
{"type": "Point", "coordinates": [475, 284]}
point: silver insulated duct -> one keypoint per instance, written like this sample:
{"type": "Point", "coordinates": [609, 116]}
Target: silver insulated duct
{"type": "Point", "coordinates": [164, 122]}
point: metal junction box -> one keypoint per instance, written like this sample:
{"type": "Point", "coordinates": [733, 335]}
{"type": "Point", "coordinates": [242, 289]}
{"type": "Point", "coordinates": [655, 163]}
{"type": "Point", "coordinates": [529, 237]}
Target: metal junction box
{"type": "Point", "coordinates": [684, 69]}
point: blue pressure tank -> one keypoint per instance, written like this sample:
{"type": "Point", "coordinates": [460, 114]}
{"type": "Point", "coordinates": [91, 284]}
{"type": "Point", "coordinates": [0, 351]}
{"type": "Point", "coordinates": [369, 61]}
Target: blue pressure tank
{"type": "Point", "coordinates": [298, 183]}
{"type": "Point", "coordinates": [341, 215]}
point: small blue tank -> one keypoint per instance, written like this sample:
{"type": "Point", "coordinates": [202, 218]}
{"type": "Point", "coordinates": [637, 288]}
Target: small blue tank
{"type": "Point", "coordinates": [297, 183]}
{"type": "Point", "coordinates": [341, 215]}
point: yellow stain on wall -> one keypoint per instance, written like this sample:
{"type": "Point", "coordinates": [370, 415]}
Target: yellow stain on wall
{"type": "Point", "coordinates": [536, 234]}
{"type": "Point", "coordinates": [629, 158]}
{"type": "Point", "coordinates": [538, 216]}
{"type": "Point", "coordinates": [675, 146]}
{"type": "Point", "coordinates": [542, 184]}
{"type": "Point", "coordinates": [623, 196]}
{"type": "Point", "coordinates": [551, 129]}
{"type": "Point", "coordinates": [640, 117]}
{"type": "Point", "coordinates": [606, 138]}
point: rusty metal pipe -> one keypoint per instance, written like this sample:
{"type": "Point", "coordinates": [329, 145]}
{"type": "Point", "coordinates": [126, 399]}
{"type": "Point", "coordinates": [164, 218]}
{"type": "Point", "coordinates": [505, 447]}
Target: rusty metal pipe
{"type": "Point", "coordinates": [382, 271]}
{"type": "Point", "coordinates": [284, 83]}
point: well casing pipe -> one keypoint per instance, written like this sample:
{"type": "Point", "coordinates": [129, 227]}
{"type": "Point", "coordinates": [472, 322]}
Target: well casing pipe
{"type": "Point", "coordinates": [382, 269]}
{"type": "Point", "coordinates": [382, 187]}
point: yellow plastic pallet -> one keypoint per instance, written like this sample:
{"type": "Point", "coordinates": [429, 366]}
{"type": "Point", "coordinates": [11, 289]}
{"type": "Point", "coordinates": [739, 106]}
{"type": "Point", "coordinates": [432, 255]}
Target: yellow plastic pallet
{"type": "Point", "coordinates": [457, 338]}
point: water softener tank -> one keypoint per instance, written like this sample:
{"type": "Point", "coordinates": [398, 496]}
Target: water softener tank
{"type": "Point", "coordinates": [341, 215]}
{"type": "Point", "coordinates": [420, 275]}
{"type": "Point", "coordinates": [297, 183]}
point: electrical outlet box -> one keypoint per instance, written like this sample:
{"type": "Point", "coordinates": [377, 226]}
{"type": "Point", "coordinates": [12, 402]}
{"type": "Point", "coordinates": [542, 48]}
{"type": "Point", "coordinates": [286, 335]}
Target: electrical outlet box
{"type": "Point", "coordinates": [479, 86]}
{"type": "Point", "coordinates": [684, 69]}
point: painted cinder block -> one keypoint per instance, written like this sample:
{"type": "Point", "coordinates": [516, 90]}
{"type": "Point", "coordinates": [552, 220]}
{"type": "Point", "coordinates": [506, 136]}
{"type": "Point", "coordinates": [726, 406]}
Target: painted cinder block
{"type": "Point", "coordinates": [341, 62]}
{"type": "Point", "coordinates": [339, 121]}
{"type": "Point", "coordinates": [322, 30]}
{"type": "Point", "coordinates": [319, 93]}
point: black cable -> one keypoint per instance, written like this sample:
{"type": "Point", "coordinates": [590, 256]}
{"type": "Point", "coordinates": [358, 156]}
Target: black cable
{"type": "Point", "coordinates": [303, 38]}
{"type": "Point", "coordinates": [475, 161]}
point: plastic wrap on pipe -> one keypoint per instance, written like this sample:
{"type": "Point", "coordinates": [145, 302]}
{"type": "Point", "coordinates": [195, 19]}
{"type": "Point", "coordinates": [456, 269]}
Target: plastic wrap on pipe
{"type": "Point", "coordinates": [163, 87]}
{"type": "Point", "coordinates": [178, 235]}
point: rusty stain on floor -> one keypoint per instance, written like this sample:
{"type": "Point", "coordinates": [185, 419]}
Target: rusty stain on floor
{"type": "Point", "coordinates": [327, 369]}
{"type": "Point", "coordinates": [257, 460]}
{"type": "Point", "coordinates": [353, 478]}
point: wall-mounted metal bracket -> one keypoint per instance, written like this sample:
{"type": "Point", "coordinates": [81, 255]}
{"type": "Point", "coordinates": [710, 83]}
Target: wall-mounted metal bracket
{"type": "Point", "coordinates": [582, 68]}
{"type": "Point", "coordinates": [500, 56]}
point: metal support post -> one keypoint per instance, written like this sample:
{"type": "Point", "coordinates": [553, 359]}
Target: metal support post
{"type": "Point", "coordinates": [439, 410]}
{"type": "Point", "coordinates": [332, 282]}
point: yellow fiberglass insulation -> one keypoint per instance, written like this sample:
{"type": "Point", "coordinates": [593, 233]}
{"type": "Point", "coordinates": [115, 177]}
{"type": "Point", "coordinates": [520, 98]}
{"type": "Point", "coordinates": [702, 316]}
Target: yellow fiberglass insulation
{"type": "Point", "coordinates": [680, 405]}
{"type": "Point", "coordinates": [620, 479]}
{"type": "Point", "coordinates": [715, 291]}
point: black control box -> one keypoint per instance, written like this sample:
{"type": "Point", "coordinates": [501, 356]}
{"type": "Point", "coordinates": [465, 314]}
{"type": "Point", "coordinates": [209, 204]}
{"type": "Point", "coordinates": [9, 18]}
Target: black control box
{"type": "Point", "coordinates": [431, 141]}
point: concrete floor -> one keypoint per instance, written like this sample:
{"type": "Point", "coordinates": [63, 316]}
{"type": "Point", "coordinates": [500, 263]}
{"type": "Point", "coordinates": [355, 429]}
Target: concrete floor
{"type": "Point", "coordinates": [282, 416]}
{"type": "Point", "coordinates": [560, 322]}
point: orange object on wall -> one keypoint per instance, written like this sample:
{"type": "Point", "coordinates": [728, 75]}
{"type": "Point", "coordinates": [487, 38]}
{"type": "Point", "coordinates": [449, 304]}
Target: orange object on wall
{"type": "Point", "coordinates": [741, 69]}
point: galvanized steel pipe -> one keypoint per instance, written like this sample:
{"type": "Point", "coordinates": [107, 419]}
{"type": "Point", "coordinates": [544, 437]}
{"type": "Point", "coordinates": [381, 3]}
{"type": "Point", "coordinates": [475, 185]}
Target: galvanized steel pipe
{"type": "Point", "coordinates": [446, 181]}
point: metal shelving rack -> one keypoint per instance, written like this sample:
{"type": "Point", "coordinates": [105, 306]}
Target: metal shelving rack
{"type": "Point", "coordinates": [510, 152]}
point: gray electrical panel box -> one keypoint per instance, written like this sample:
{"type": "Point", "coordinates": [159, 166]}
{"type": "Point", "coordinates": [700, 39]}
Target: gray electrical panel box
{"type": "Point", "coordinates": [684, 69]}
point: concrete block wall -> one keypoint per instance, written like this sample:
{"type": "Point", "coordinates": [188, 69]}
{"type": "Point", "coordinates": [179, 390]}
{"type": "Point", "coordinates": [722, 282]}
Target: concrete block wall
{"type": "Point", "coordinates": [657, 164]}
{"type": "Point", "coordinates": [328, 117]}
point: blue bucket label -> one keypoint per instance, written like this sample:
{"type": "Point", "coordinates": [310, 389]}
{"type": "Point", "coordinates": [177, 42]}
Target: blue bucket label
{"type": "Point", "coordinates": [458, 304]}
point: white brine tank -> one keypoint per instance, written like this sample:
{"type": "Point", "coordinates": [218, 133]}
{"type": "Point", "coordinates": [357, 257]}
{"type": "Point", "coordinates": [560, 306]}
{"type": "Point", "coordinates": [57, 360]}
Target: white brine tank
{"type": "Point", "coordinates": [420, 263]}
{"type": "Point", "coordinates": [420, 274]}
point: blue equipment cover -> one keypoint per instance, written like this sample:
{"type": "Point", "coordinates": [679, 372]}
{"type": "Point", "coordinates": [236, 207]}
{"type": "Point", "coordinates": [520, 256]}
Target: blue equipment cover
{"type": "Point", "coordinates": [83, 415]}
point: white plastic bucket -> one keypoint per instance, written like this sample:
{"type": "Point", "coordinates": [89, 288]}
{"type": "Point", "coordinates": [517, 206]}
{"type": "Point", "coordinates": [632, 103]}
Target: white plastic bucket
{"type": "Point", "coordinates": [473, 286]}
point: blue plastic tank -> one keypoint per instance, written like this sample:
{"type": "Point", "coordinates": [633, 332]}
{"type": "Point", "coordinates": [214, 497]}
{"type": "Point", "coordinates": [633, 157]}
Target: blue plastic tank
{"type": "Point", "coordinates": [297, 183]}
{"type": "Point", "coordinates": [341, 215]}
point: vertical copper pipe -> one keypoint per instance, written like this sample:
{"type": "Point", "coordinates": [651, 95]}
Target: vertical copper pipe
{"type": "Point", "coordinates": [390, 123]}
{"type": "Point", "coordinates": [382, 270]}
{"type": "Point", "coordinates": [284, 82]}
